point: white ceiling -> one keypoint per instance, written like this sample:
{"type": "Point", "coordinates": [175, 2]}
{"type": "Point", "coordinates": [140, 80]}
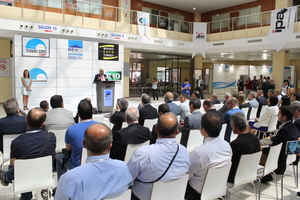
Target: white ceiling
{"type": "Point", "coordinates": [201, 6]}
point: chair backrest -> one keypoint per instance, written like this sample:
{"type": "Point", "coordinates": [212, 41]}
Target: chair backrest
{"type": "Point", "coordinates": [131, 148]}
{"type": "Point", "coordinates": [272, 159]}
{"type": "Point", "coordinates": [6, 145]}
{"type": "Point", "coordinates": [273, 123]}
{"type": "Point", "coordinates": [124, 124]}
{"type": "Point", "coordinates": [263, 109]}
{"type": "Point", "coordinates": [245, 111]}
{"type": "Point", "coordinates": [125, 196]}
{"type": "Point", "coordinates": [83, 156]}
{"type": "Point", "coordinates": [98, 118]}
{"type": "Point", "coordinates": [247, 169]}
{"type": "Point", "coordinates": [174, 189]}
{"type": "Point", "coordinates": [222, 132]}
{"type": "Point", "coordinates": [178, 137]}
{"type": "Point", "coordinates": [290, 159]}
{"type": "Point", "coordinates": [218, 106]}
{"type": "Point", "coordinates": [195, 140]}
{"type": "Point", "coordinates": [233, 136]}
{"type": "Point", "coordinates": [60, 139]}
{"type": "Point", "coordinates": [213, 189]}
{"type": "Point", "coordinates": [178, 118]}
{"type": "Point", "coordinates": [253, 113]}
{"type": "Point", "coordinates": [32, 174]}
{"type": "Point", "coordinates": [149, 123]}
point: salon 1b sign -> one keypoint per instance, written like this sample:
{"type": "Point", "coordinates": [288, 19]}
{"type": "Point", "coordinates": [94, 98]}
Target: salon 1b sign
{"type": "Point", "coordinates": [108, 51]}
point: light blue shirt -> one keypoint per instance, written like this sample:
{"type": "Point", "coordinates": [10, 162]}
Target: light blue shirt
{"type": "Point", "coordinates": [253, 103]}
{"type": "Point", "coordinates": [149, 162]}
{"type": "Point", "coordinates": [100, 177]}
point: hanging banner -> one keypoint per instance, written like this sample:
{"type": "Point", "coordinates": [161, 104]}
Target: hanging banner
{"type": "Point", "coordinates": [199, 39]}
{"type": "Point", "coordinates": [282, 26]}
{"type": "Point", "coordinates": [143, 24]}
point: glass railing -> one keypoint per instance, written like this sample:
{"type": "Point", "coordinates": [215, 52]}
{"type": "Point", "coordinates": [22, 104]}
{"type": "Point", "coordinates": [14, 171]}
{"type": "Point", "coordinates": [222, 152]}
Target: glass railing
{"type": "Point", "coordinates": [90, 9]}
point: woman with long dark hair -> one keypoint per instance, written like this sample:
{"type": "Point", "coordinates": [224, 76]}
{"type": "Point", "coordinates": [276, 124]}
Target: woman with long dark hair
{"type": "Point", "coordinates": [26, 88]}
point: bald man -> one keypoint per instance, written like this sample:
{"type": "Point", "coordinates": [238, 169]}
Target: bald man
{"type": "Point", "coordinates": [174, 108]}
{"type": "Point", "coordinates": [100, 77]}
{"type": "Point", "coordinates": [148, 164]}
{"type": "Point", "coordinates": [100, 177]}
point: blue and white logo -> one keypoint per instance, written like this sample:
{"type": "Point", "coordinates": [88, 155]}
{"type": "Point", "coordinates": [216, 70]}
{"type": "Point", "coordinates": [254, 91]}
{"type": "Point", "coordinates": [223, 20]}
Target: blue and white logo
{"type": "Point", "coordinates": [38, 75]}
{"type": "Point", "coordinates": [35, 47]}
{"type": "Point", "coordinates": [75, 49]}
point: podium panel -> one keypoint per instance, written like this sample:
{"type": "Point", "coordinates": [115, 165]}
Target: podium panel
{"type": "Point", "coordinates": [105, 95]}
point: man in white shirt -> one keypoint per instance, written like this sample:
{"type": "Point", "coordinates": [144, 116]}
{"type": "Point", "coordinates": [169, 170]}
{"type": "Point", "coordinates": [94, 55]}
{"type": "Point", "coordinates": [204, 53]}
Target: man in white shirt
{"type": "Point", "coordinates": [184, 107]}
{"type": "Point", "coordinates": [214, 152]}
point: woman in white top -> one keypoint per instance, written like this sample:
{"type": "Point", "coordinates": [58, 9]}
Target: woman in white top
{"type": "Point", "coordinates": [154, 88]}
{"type": "Point", "coordinates": [26, 88]}
{"type": "Point", "coordinates": [262, 123]}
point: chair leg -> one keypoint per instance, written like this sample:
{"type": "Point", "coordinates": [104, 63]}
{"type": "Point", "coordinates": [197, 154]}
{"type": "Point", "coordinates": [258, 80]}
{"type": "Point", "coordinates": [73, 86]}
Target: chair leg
{"type": "Point", "coordinates": [258, 187]}
{"type": "Point", "coordinates": [228, 191]}
{"type": "Point", "coordinates": [255, 190]}
{"type": "Point", "coordinates": [275, 181]}
{"type": "Point", "coordinates": [282, 186]}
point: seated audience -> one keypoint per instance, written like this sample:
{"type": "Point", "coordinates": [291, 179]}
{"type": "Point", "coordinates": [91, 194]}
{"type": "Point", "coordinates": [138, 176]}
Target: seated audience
{"type": "Point", "coordinates": [241, 102]}
{"type": "Point", "coordinates": [262, 123]}
{"type": "Point", "coordinates": [44, 105]}
{"type": "Point", "coordinates": [192, 121]}
{"type": "Point", "coordinates": [262, 101]}
{"type": "Point", "coordinates": [245, 143]}
{"type": "Point", "coordinates": [196, 94]}
{"type": "Point", "coordinates": [173, 107]}
{"type": "Point", "coordinates": [74, 137]}
{"type": "Point", "coordinates": [101, 177]}
{"type": "Point", "coordinates": [295, 98]}
{"type": "Point", "coordinates": [184, 107]}
{"type": "Point", "coordinates": [208, 106]}
{"type": "Point", "coordinates": [13, 123]}
{"type": "Point", "coordinates": [133, 134]}
{"type": "Point", "coordinates": [285, 101]}
{"type": "Point", "coordinates": [214, 98]}
{"type": "Point", "coordinates": [147, 111]}
{"type": "Point", "coordinates": [205, 157]}
{"type": "Point", "coordinates": [148, 163]}
{"type": "Point", "coordinates": [224, 108]}
{"type": "Point", "coordinates": [119, 115]}
{"type": "Point", "coordinates": [176, 98]}
{"type": "Point", "coordinates": [58, 117]}
{"type": "Point", "coordinates": [29, 145]}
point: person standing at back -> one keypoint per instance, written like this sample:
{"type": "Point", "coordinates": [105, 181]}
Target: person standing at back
{"type": "Point", "coordinates": [154, 88]}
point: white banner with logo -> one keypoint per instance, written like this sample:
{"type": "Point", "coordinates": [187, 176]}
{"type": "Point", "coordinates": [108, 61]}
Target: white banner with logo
{"type": "Point", "coordinates": [282, 26]}
{"type": "Point", "coordinates": [199, 39]}
{"type": "Point", "coordinates": [143, 23]}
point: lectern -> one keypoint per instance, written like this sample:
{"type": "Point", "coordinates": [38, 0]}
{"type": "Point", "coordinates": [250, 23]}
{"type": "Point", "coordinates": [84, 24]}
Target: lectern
{"type": "Point", "coordinates": [105, 95]}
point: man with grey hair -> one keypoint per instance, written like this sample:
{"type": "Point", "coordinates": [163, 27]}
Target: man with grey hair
{"type": "Point", "coordinates": [173, 107]}
{"type": "Point", "coordinates": [278, 94]}
{"type": "Point", "coordinates": [147, 111]}
{"type": "Point", "coordinates": [232, 105]}
{"type": "Point", "coordinates": [13, 123]}
{"type": "Point", "coordinates": [133, 134]}
{"type": "Point", "coordinates": [262, 101]}
{"type": "Point", "coordinates": [119, 115]}
{"type": "Point", "coordinates": [245, 143]}
{"type": "Point", "coordinates": [270, 93]}
{"type": "Point", "coordinates": [224, 108]}
{"type": "Point", "coordinates": [214, 98]}
{"type": "Point", "coordinates": [83, 182]}
{"type": "Point", "coordinates": [252, 100]}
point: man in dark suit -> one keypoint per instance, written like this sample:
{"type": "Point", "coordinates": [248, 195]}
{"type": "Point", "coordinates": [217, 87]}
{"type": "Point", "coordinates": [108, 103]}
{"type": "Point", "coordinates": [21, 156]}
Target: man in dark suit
{"type": "Point", "coordinates": [173, 107]}
{"type": "Point", "coordinates": [287, 132]}
{"type": "Point", "coordinates": [224, 108]}
{"type": "Point", "coordinates": [133, 134]}
{"type": "Point", "coordinates": [192, 121]}
{"type": "Point", "coordinates": [100, 77]}
{"type": "Point", "coordinates": [147, 111]}
{"type": "Point", "coordinates": [296, 117]}
{"type": "Point", "coordinates": [261, 101]}
{"type": "Point", "coordinates": [119, 115]}
{"type": "Point", "coordinates": [13, 123]}
{"type": "Point", "coordinates": [208, 106]}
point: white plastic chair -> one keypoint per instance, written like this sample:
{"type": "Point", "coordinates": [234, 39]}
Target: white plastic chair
{"type": "Point", "coordinates": [131, 148]}
{"type": "Point", "coordinates": [124, 124]}
{"type": "Point", "coordinates": [213, 189]}
{"type": "Point", "coordinates": [270, 166]}
{"type": "Point", "coordinates": [245, 111]}
{"type": "Point", "coordinates": [149, 123]}
{"type": "Point", "coordinates": [178, 118]}
{"type": "Point", "coordinates": [125, 196]}
{"type": "Point", "coordinates": [98, 118]}
{"type": "Point", "coordinates": [83, 156]}
{"type": "Point", "coordinates": [253, 113]}
{"type": "Point", "coordinates": [218, 106]}
{"type": "Point", "coordinates": [178, 137]}
{"type": "Point", "coordinates": [7, 139]}
{"type": "Point", "coordinates": [32, 174]}
{"type": "Point", "coordinates": [233, 136]}
{"type": "Point", "coordinates": [246, 172]}
{"type": "Point", "coordinates": [263, 109]}
{"type": "Point", "coordinates": [60, 139]}
{"type": "Point", "coordinates": [271, 127]}
{"type": "Point", "coordinates": [174, 189]}
{"type": "Point", "coordinates": [222, 132]}
{"type": "Point", "coordinates": [195, 140]}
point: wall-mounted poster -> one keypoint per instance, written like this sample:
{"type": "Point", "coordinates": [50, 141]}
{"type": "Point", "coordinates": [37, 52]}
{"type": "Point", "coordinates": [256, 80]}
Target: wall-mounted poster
{"type": "Point", "coordinates": [4, 68]}
{"type": "Point", "coordinates": [75, 49]}
{"type": "Point", "coordinates": [114, 75]}
{"type": "Point", "coordinates": [108, 51]}
{"type": "Point", "coordinates": [108, 97]}
{"type": "Point", "coordinates": [35, 47]}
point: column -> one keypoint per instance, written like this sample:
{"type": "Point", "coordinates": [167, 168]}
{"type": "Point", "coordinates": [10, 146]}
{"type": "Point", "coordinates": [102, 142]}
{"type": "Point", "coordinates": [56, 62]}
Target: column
{"type": "Point", "coordinates": [283, 4]}
{"type": "Point", "coordinates": [6, 82]}
{"type": "Point", "coordinates": [281, 59]}
{"type": "Point", "coordinates": [126, 72]}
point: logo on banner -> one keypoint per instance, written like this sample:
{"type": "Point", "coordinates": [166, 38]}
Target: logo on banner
{"type": "Point", "coordinates": [200, 36]}
{"type": "Point", "coordinates": [279, 25]}
{"type": "Point", "coordinates": [143, 21]}
{"type": "Point", "coordinates": [114, 75]}
{"type": "Point", "coordinates": [36, 47]}
{"type": "Point", "coordinates": [38, 75]}
{"type": "Point", "coordinates": [108, 51]}
{"type": "Point", "coordinates": [75, 49]}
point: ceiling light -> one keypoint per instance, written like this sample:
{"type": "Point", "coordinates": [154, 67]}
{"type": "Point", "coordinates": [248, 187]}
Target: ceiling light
{"type": "Point", "coordinates": [194, 8]}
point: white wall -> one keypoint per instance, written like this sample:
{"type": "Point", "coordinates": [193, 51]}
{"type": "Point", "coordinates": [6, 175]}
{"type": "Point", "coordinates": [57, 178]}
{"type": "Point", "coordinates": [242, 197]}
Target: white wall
{"type": "Point", "coordinates": [71, 78]}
